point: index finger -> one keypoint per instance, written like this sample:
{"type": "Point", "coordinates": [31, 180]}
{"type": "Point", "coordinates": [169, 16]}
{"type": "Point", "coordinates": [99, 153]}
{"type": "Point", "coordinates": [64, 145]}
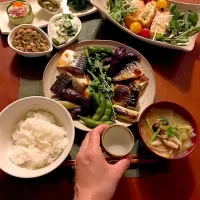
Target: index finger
{"type": "Point", "coordinates": [94, 136]}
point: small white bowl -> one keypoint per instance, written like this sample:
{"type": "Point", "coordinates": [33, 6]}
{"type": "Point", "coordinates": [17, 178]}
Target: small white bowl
{"type": "Point", "coordinates": [49, 12]}
{"type": "Point", "coordinates": [117, 140]}
{"type": "Point", "coordinates": [71, 40]}
{"type": "Point", "coordinates": [13, 114]}
{"type": "Point", "coordinates": [29, 54]}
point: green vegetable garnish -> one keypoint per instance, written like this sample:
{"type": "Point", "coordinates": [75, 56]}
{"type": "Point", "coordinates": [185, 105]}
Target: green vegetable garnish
{"type": "Point", "coordinates": [171, 132]}
{"type": "Point", "coordinates": [100, 83]}
{"type": "Point", "coordinates": [180, 28]}
{"type": "Point", "coordinates": [79, 4]}
{"type": "Point", "coordinates": [153, 137]}
{"type": "Point", "coordinates": [56, 42]}
{"type": "Point", "coordinates": [154, 134]}
{"type": "Point", "coordinates": [120, 8]}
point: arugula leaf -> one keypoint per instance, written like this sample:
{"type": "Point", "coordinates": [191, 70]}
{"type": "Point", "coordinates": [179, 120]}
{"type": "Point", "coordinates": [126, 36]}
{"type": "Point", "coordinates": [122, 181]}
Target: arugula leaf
{"type": "Point", "coordinates": [193, 18]}
{"type": "Point", "coordinates": [119, 9]}
{"type": "Point", "coordinates": [180, 27]}
{"type": "Point", "coordinates": [172, 9]}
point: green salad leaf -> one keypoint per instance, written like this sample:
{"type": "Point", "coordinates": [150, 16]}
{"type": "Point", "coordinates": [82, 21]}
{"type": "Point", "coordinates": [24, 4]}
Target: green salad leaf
{"type": "Point", "coordinates": [120, 8]}
{"type": "Point", "coordinates": [180, 28]}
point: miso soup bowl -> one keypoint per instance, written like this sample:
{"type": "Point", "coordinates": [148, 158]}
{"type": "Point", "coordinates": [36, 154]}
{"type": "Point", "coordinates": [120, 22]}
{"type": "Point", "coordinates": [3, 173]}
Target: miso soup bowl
{"type": "Point", "coordinates": [179, 110]}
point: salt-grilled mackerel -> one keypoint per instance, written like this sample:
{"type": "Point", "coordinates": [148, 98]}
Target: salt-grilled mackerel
{"type": "Point", "coordinates": [131, 71]}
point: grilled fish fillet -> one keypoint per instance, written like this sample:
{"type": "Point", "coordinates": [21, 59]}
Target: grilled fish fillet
{"type": "Point", "coordinates": [160, 22]}
{"type": "Point", "coordinates": [139, 83]}
{"type": "Point", "coordinates": [132, 70]}
{"type": "Point", "coordinates": [147, 15]}
{"type": "Point", "coordinates": [132, 100]}
{"type": "Point", "coordinates": [133, 16]}
{"type": "Point", "coordinates": [126, 114]}
{"type": "Point", "coordinates": [121, 92]}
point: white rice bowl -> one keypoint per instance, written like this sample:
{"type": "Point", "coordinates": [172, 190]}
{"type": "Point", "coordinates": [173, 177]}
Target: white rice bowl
{"type": "Point", "coordinates": [47, 151]}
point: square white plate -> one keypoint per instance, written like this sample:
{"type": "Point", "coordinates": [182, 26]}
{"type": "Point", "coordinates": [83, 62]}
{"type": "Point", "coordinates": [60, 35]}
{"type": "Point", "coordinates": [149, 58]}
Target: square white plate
{"type": "Point", "coordinates": [40, 20]}
{"type": "Point", "coordinates": [101, 6]}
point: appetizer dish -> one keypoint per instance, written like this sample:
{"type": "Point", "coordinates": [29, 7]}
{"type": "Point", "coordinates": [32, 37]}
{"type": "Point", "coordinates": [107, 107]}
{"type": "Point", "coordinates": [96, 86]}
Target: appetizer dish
{"type": "Point", "coordinates": [155, 20]}
{"type": "Point", "coordinates": [29, 40]}
{"type": "Point", "coordinates": [20, 12]}
{"type": "Point", "coordinates": [166, 132]}
{"type": "Point", "coordinates": [37, 141]}
{"type": "Point", "coordinates": [63, 28]}
{"type": "Point", "coordinates": [52, 6]}
{"type": "Point", "coordinates": [101, 85]}
{"type": "Point", "coordinates": [79, 5]}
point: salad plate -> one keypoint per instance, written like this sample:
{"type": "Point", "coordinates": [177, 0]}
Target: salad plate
{"type": "Point", "coordinates": [181, 7]}
{"type": "Point", "coordinates": [51, 72]}
{"type": "Point", "coordinates": [40, 20]}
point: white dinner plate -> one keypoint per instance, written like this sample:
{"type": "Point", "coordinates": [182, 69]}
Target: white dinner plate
{"type": "Point", "coordinates": [101, 6]}
{"type": "Point", "coordinates": [50, 73]}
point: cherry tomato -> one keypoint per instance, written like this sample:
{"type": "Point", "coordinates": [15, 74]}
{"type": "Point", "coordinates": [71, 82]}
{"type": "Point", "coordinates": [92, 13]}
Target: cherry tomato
{"type": "Point", "coordinates": [136, 27]}
{"type": "Point", "coordinates": [161, 4]}
{"type": "Point", "coordinates": [145, 32]}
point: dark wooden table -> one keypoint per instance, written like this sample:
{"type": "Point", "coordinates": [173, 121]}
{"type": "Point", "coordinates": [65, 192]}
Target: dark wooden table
{"type": "Point", "coordinates": [178, 79]}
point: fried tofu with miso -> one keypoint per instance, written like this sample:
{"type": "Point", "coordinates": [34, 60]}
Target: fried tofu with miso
{"type": "Point", "coordinates": [160, 22]}
{"type": "Point", "coordinates": [147, 15]}
{"type": "Point", "coordinates": [133, 16]}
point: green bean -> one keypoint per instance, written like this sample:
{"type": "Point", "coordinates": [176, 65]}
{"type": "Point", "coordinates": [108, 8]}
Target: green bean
{"type": "Point", "coordinates": [107, 113]}
{"type": "Point", "coordinates": [93, 49]}
{"type": "Point", "coordinates": [101, 109]}
{"type": "Point", "coordinates": [88, 56]}
{"type": "Point", "coordinates": [92, 124]}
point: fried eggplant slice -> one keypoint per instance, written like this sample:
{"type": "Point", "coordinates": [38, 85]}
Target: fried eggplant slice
{"type": "Point", "coordinates": [62, 82]}
{"type": "Point", "coordinates": [121, 92]}
{"type": "Point", "coordinates": [75, 97]}
{"type": "Point", "coordinates": [125, 114]}
{"type": "Point", "coordinates": [139, 83]}
{"type": "Point", "coordinates": [131, 71]}
{"type": "Point", "coordinates": [132, 100]}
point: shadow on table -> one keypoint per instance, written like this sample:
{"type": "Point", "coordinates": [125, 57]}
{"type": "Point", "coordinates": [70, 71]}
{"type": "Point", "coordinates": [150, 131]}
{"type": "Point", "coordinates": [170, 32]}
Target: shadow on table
{"type": "Point", "coordinates": [178, 184]}
{"type": "Point", "coordinates": [55, 186]}
{"type": "Point", "coordinates": [3, 40]}
{"type": "Point", "coordinates": [29, 68]}
{"type": "Point", "coordinates": [174, 65]}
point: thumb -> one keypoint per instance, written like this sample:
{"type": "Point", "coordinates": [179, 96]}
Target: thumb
{"type": "Point", "coordinates": [121, 166]}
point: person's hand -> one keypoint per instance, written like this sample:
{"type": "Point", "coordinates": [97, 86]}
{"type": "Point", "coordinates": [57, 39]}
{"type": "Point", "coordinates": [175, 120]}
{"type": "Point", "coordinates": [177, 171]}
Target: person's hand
{"type": "Point", "coordinates": [96, 179]}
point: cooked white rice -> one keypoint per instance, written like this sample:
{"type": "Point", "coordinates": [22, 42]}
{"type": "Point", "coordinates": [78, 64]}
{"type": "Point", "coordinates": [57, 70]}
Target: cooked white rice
{"type": "Point", "coordinates": [37, 141]}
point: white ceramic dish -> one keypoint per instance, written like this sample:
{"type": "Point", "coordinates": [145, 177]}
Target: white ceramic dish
{"type": "Point", "coordinates": [49, 12]}
{"type": "Point", "coordinates": [118, 141]}
{"type": "Point", "coordinates": [83, 13]}
{"type": "Point", "coordinates": [71, 40]}
{"type": "Point", "coordinates": [147, 98]}
{"type": "Point", "coordinates": [40, 20]}
{"type": "Point", "coordinates": [14, 113]}
{"type": "Point", "coordinates": [29, 54]}
{"type": "Point", "coordinates": [101, 6]}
